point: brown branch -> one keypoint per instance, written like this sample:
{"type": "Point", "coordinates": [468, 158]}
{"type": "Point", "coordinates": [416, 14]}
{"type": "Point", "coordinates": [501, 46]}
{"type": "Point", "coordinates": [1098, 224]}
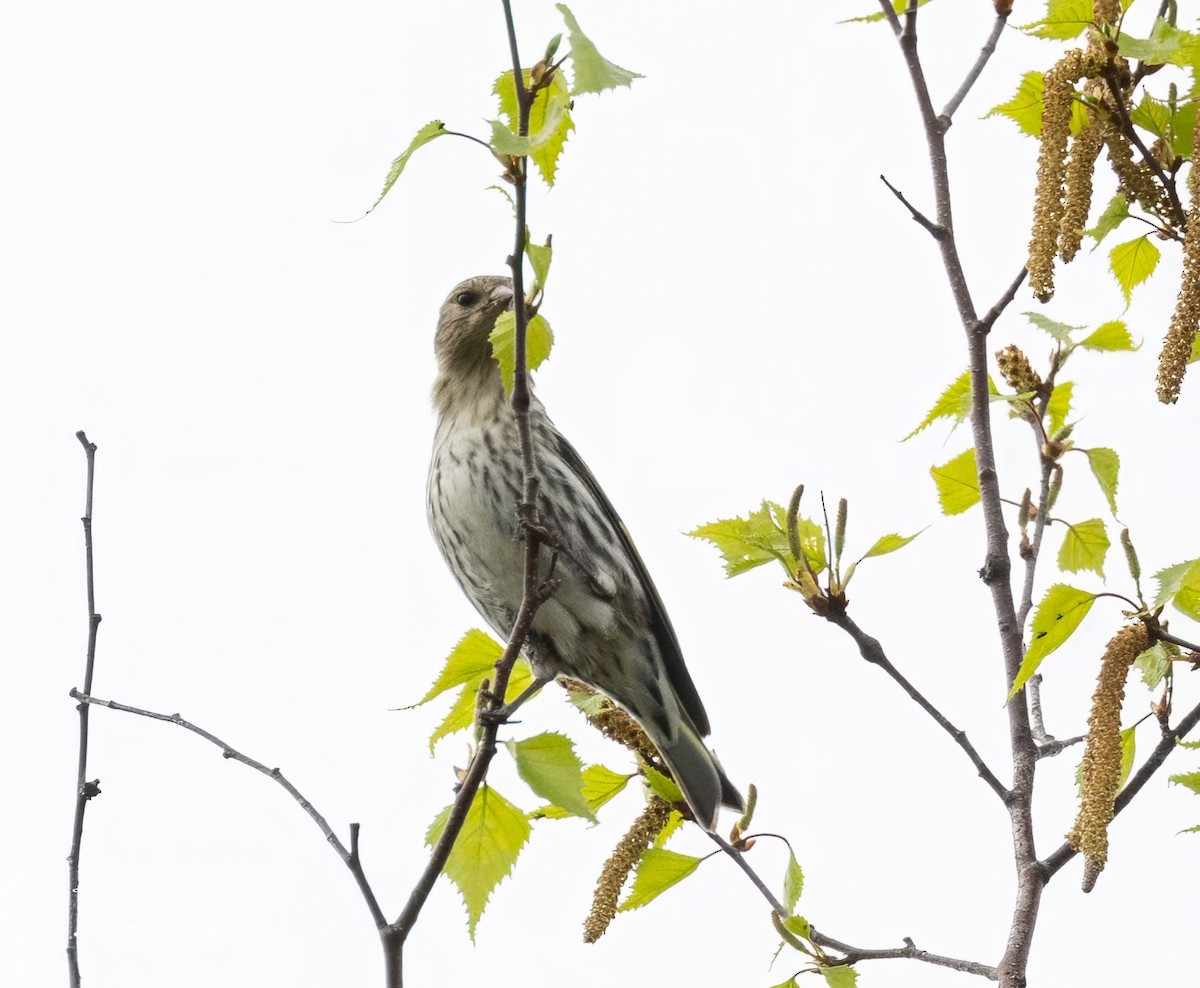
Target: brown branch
{"type": "Point", "coordinates": [945, 118]}
{"type": "Point", "coordinates": [740, 860]}
{"type": "Point", "coordinates": [871, 650]}
{"type": "Point", "coordinates": [84, 790]}
{"type": "Point", "coordinates": [349, 858]}
{"type": "Point", "coordinates": [909, 951]}
{"type": "Point", "coordinates": [1166, 744]}
{"type": "Point", "coordinates": [985, 324]}
{"type": "Point", "coordinates": [935, 231]}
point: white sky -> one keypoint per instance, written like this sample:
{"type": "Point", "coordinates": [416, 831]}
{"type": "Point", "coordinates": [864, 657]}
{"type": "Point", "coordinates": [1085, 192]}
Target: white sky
{"type": "Point", "coordinates": [740, 305]}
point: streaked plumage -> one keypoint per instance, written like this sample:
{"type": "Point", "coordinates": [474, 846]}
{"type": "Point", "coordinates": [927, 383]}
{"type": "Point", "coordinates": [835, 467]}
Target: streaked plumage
{"type": "Point", "coordinates": [605, 623]}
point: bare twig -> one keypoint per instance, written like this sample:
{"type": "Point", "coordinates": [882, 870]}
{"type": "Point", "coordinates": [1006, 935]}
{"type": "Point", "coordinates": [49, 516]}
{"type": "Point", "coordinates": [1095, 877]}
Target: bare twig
{"type": "Point", "coordinates": [349, 858]}
{"type": "Point", "coordinates": [985, 324]}
{"type": "Point", "coordinates": [84, 790]}
{"type": "Point", "coordinates": [935, 231]}
{"type": "Point", "coordinates": [871, 650]}
{"type": "Point", "coordinates": [909, 951]}
{"type": "Point", "coordinates": [989, 46]}
{"type": "Point", "coordinates": [740, 860]}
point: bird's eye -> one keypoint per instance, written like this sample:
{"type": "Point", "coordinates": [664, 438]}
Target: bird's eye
{"type": "Point", "coordinates": [466, 298]}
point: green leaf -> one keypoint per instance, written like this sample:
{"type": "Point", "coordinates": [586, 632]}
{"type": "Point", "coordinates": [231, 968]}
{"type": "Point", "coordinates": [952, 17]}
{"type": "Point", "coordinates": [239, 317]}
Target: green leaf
{"type": "Point", "coordinates": [745, 543]}
{"type": "Point", "coordinates": [1115, 213]}
{"type": "Point", "coordinates": [1167, 45]}
{"type": "Point", "coordinates": [592, 71]}
{"type": "Point", "coordinates": [1084, 547]}
{"type": "Point", "coordinates": [957, 483]}
{"type": "Point", "coordinates": [547, 763]}
{"type": "Point", "coordinates": [657, 871]}
{"type": "Point", "coordinates": [1105, 465]}
{"type": "Point", "coordinates": [435, 128]}
{"type": "Point", "coordinates": [1059, 405]}
{"type": "Point", "coordinates": [550, 122]}
{"type": "Point", "coordinates": [1064, 19]}
{"type": "Point", "coordinates": [600, 784]}
{"type": "Point", "coordinates": [1059, 330]}
{"type": "Point", "coordinates": [486, 849]}
{"type": "Point", "coordinates": [899, 6]}
{"type": "Point", "coordinates": [1133, 262]}
{"type": "Point", "coordinates": [462, 713]}
{"type": "Point", "coordinates": [1195, 354]}
{"type": "Point", "coordinates": [664, 788]}
{"type": "Point", "coordinates": [798, 925]}
{"type": "Point", "coordinates": [842, 976]}
{"type": "Point", "coordinates": [539, 259]}
{"type": "Point", "coordinates": [1111, 336]}
{"type": "Point", "coordinates": [1025, 108]}
{"type": "Point", "coordinates": [674, 822]}
{"type": "Point", "coordinates": [1189, 780]}
{"type": "Point", "coordinates": [538, 340]}
{"type": "Point", "coordinates": [469, 661]}
{"type": "Point", "coordinates": [889, 543]}
{"type": "Point", "coordinates": [793, 881]}
{"type": "Point", "coordinates": [1128, 753]}
{"type": "Point", "coordinates": [1056, 618]}
{"type": "Point", "coordinates": [1180, 584]}
{"type": "Point", "coordinates": [953, 403]}
{"type": "Point", "coordinates": [1154, 664]}
{"type": "Point", "coordinates": [791, 982]}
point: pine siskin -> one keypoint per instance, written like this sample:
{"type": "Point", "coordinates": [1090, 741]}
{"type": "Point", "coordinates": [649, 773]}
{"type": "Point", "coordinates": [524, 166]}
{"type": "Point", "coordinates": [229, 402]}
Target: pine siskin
{"type": "Point", "coordinates": [604, 623]}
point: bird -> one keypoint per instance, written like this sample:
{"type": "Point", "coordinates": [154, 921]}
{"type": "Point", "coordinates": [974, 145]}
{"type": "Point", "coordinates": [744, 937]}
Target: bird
{"type": "Point", "coordinates": [604, 623]}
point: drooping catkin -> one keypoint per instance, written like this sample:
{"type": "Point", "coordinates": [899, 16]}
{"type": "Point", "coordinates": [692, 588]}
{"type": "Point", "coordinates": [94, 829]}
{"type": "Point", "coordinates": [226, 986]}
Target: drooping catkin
{"type": "Point", "coordinates": [623, 860]}
{"type": "Point", "coordinates": [1177, 347]}
{"type": "Point", "coordinates": [1085, 149]}
{"type": "Point", "coordinates": [1057, 98]}
{"type": "Point", "coordinates": [1017, 371]}
{"type": "Point", "coordinates": [1100, 771]}
{"type": "Point", "coordinates": [615, 724]}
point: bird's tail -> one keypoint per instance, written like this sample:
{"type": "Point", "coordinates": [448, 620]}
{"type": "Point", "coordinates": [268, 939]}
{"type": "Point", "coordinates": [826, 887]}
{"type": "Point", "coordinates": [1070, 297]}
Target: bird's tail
{"type": "Point", "coordinates": [699, 775]}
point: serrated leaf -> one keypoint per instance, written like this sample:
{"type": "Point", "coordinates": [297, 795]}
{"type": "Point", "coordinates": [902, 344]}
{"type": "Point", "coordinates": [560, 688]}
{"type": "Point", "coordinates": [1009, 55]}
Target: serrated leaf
{"type": "Point", "coordinates": [472, 658]}
{"type": "Point", "coordinates": [793, 881]}
{"type": "Point", "coordinates": [1064, 19]}
{"type": "Point", "coordinates": [798, 925]}
{"type": "Point", "coordinates": [898, 6]}
{"type": "Point", "coordinates": [1180, 585]}
{"type": "Point", "coordinates": [1167, 45]}
{"type": "Point", "coordinates": [1153, 664]}
{"type": "Point", "coordinates": [600, 784]}
{"type": "Point", "coordinates": [550, 122]}
{"type": "Point", "coordinates": [1061, 331]}
{"type": "Point", "coordinates": [1188, 744]}
{"type": "Point", "coordinates": [487, 847]}
{"type": "Point", "coordinates": [889, 543]}
{"type": "Point", "coordinates": [1106, 466]}
{"type": "Point", "coordinates": [539, 338]}
{"type": "Point", "coordinates": [1026, 107]}
{"type": "Point", "coordinates": [590, 703]}
{"type": "Point", "coordinates": [791, 982]}
{"type": "Point", "coordinates": [1133, 262]}
{"type": "Point", "coordinates": [657, 871]}
{"type": "Point", "coordinates": [1128, 754]}
{"type": "Point", "coordinates": [539, 256]}
{"type": "Point", "coordinates": [1059, 405]}
{"type": "Point", "coordinates": [666, 789]}
{"type": "Point", "coordinates": [592, 72]}
{"type": "Point", "coordinates": [432, 130]}
{"type": "Point", "coordinates": [957, 483]}
{"type": "Point", "coordinates": [1112, 335]}
{"type": "Point", "coordinates": [1115, 213]}
{"type": "Point", "coordinates": [674, 822]}
{"type": "Point", "coordinates": [462, 714]}
{"type": "Point", "coordinates": [1054, 621]}
{"type": "Point", "coordinates": [760, 537]}
{"type": "Point", "coordinates": [1189, 780]}
{"type": "Point", "coordinates": [547, 763]}
{"type": "Point", "coordinates": [842, 976]}
{"type": "Point", "coordinates": [1084, 547]}
{"type": "Point", "coordinates": [953, 403]}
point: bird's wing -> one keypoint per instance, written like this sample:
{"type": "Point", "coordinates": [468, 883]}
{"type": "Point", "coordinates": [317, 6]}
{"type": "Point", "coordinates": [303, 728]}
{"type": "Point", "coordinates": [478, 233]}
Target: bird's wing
{"type": "Point", "coordinates": [668, 644]}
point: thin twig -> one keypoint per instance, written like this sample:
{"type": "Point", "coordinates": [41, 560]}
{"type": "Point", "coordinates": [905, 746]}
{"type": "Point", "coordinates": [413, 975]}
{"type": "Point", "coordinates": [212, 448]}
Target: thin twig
{"type": "Point", "coordinates": [909, 951]}
{"type": "Point", "coordinates": [349, 858]}
{"type": "Point", "coordinates": [989, 46]}
{"type": "Point", "coordinates": [1174, 640]}
{"type": "Point", "coordinates": [740, 860]}
{"type": "Point", "coordinates": [871, 650]}
{"type": "Point", "coordinates": [84, 790]}
{"type": "Point", "coordinates": [934, 230]}
{"type": "Point", "coordinates": [985, 324]}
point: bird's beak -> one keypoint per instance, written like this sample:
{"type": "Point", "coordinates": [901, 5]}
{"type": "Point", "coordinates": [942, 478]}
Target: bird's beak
{"type": "Point", "coordinates": [502, 293]}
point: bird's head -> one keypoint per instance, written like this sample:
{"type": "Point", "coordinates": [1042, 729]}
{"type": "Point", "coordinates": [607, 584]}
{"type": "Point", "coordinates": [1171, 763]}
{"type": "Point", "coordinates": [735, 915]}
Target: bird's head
{"type": "Point", "coordinates": [466, 320]}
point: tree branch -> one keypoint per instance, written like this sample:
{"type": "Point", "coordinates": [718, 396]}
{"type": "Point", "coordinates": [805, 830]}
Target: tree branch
{"type": "Point", "coordinates": [909, 951]}
{"type": "Point", "coordinates": [84, 790]}
{"type": "Point", "coordinates": [985, 324]}
{"type": "Point", "coordinates": [349, 858]}
{"type": "Point", "coordinates": [945, 118]}
{"type": "Point", "coordinates": [870, 649]}
{"type": "Point", "coordinates": [935, 231]}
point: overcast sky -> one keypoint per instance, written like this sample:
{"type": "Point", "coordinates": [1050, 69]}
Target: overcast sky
{"type": "Point", "coordinates": [740, 305]}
